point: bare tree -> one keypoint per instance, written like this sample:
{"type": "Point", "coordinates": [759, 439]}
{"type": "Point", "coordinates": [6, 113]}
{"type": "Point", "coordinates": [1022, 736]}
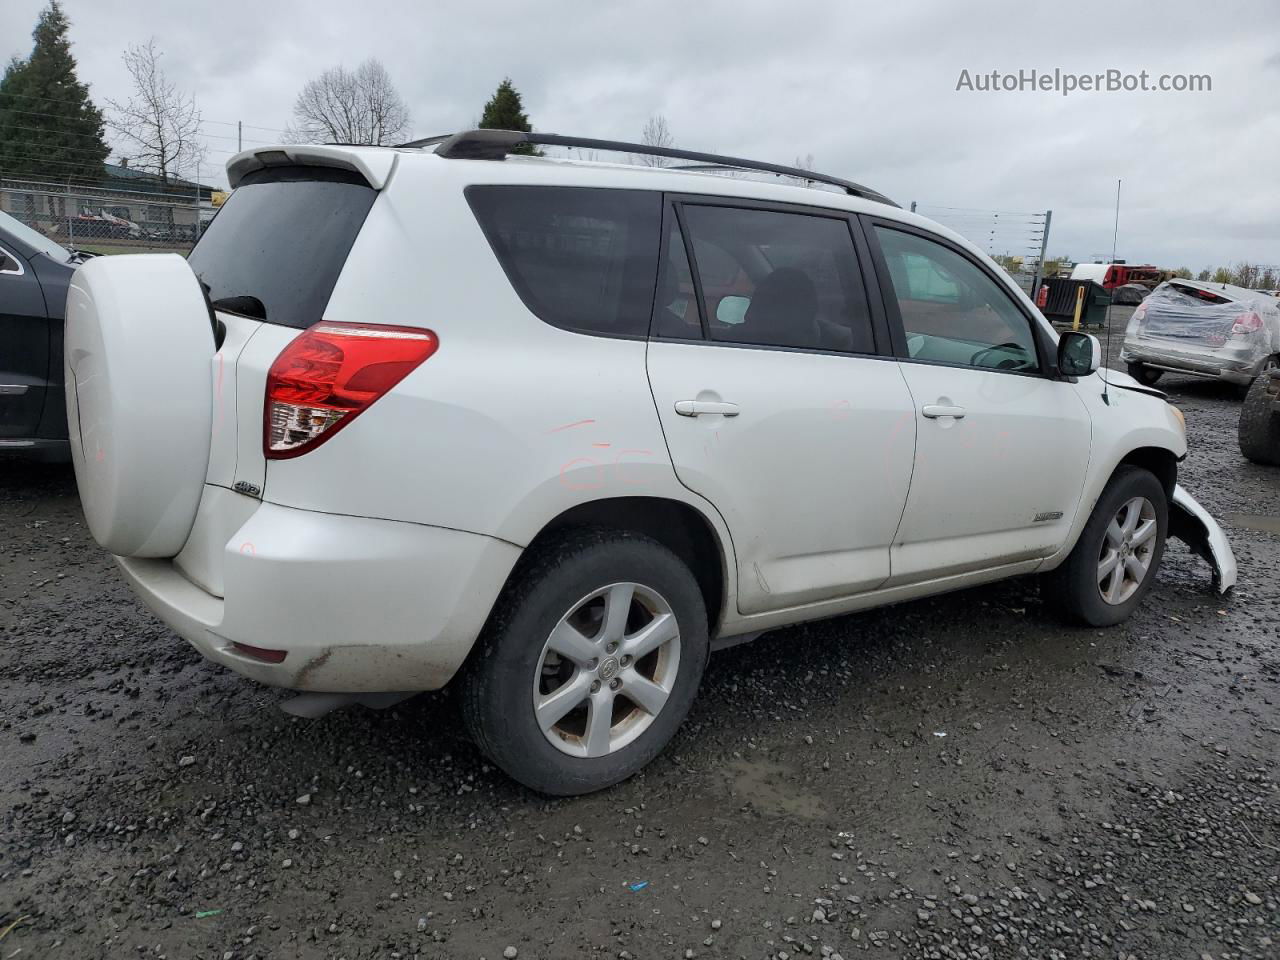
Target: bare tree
{"type": "Point", "coordinates": [804, 163]}
{"type": "Point", "coordinates": [656, 133]}
{"type": "Point", "coordinates": [344, 106]}
{"type": "Point", "coordinates": [157, 127]}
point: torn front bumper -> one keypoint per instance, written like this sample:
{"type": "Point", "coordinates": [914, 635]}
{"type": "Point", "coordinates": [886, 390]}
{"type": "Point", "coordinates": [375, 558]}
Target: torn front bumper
{"type": "Point", "coordinates": [1191, 523]}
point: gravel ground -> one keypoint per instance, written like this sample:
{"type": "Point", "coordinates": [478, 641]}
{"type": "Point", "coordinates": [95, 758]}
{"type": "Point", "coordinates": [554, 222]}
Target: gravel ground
{"type": "Point", "coordinates": [959, 777]}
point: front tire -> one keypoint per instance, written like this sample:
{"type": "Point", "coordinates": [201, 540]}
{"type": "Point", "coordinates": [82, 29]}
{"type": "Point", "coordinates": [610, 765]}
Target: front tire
{"type": "Point", "coordinates": [1145, 375]}
{"type": "Point", "coordinates": [1114, 563]}
{"type": "Point", "coordinates": [589, 663]}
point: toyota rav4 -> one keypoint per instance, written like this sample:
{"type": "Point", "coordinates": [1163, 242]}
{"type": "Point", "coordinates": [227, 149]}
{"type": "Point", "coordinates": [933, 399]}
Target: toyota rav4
{"type": "Point", "coordinates": [549, 430]}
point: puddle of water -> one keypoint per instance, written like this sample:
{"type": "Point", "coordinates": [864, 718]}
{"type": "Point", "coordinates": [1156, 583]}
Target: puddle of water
{"type": "Point", "coordinates": [772, 789]}
{"type": "Point", "coordinates": [1265, 524]}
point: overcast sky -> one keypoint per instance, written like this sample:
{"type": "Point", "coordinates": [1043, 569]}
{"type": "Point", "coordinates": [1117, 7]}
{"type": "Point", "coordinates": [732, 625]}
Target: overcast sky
{"type": "Point", "coordinates": [868, 89]}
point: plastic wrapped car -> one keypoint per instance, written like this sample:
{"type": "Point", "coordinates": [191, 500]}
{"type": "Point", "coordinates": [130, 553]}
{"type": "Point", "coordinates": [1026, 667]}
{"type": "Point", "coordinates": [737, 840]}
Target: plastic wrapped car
{"type": "Point", "coordinates": [1203, 329]}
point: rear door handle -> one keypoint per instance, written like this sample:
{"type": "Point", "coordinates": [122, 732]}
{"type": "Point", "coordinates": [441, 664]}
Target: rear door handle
{"type": "Point", "coordinates": [694, 408]}
{"type": "Point", "coordinates": [935, 410]}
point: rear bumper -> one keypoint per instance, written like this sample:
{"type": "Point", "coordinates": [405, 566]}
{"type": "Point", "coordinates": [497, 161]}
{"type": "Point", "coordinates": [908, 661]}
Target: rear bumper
{"type": "Point", "coordinates": [1233, 363]}
{"type": "Point", "coordinates": [359, 605]}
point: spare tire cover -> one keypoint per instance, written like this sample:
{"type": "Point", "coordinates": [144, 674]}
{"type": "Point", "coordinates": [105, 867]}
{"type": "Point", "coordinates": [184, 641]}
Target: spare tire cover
{"type": "Point", "coordinates": [137, 353]}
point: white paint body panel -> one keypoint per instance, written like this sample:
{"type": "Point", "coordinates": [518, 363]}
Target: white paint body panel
{"type": "Point", "coordinates": [1020, 452]}
{"type": "Point", "coordinates": [811, 476]}
{"type": "Point", "coordinates": [1124, 421]}
{"type": "Point", "coordinates": [360, 605]}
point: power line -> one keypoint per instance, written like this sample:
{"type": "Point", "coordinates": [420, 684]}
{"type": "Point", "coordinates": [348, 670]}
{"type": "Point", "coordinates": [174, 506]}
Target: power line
{"type": "Point", "coordinates": [211, 136]}
{"type": "Point", "coordinates": [1003, 213]}
{"type": "Point", "coordinates": [28, 96]}
{"type": "Point", "coordinates": [90, 136]}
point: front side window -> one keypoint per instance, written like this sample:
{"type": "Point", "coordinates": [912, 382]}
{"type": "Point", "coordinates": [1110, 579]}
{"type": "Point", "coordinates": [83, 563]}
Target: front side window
{"type": "Point", "coordinates": [951, 311]}
{"type": "Point", "coordinates": [580, 258]}
{"type": "Point", "coordinates": [772, 279]}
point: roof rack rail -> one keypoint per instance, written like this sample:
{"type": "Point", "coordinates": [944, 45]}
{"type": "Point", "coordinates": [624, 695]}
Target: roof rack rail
{"type": "Point", "coordinates": [496, 144]}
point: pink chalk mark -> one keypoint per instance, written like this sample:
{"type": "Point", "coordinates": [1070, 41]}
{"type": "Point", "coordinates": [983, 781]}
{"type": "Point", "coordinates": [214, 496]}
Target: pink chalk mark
{"type": "Point", "coordinates": [570, 426]}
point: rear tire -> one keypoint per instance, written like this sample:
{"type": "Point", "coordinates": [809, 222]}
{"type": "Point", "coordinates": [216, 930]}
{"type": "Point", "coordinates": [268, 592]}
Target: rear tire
{"type": "Point", "coordinates": [1259, 430]}
{"type": "Point", "coordinates": [1085, 589]}
{"type": "Point", "coordinates": [553, 639]}
{"type": "Point", "coordinates": [1147, 376]}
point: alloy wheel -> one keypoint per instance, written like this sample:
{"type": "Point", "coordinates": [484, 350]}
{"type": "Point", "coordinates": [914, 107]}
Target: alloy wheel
{"type": "Point", "coordinates": [1128, 546]}
{"type": "Point", "coordinates": [606, 670]}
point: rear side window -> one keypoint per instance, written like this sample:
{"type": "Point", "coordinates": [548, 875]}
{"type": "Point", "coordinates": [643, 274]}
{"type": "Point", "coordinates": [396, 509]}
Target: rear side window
{"type": "Point", "coordinates": [275, 249]}
{"type": "Point", "coordinates": [581, 258]}
{"type": "Point", "coordinates": [777, 279]}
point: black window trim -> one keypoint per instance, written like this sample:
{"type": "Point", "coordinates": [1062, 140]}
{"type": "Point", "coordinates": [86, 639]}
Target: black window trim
{"type": "Point", "coordinates": [518, 285]}
{"type": "Point", "coordinates": [19, 262]}
{"type": "Point", "coordinates": [674, 204]}
{"type": "Point", "coordinates": [1046, 352]}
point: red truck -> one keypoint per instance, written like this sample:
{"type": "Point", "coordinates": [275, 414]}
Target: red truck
{"type": "Point", "coordinates": [1112, 275]}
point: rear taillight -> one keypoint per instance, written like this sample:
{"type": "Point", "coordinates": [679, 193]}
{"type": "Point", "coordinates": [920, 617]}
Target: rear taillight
{"type": "Point", "coordinates": [1246, 323]}
{"type": "Point", "coordinates": [329, 375]}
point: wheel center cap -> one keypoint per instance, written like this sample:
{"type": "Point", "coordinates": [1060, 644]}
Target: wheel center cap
{"type": "Point", "coordinates": [1124, 550]}
{"type": "Point", "coordinates": [608, 668]}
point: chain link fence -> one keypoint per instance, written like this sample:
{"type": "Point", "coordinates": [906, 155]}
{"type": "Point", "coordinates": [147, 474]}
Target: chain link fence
{"type": "Point", "coordinates": [103, 220]}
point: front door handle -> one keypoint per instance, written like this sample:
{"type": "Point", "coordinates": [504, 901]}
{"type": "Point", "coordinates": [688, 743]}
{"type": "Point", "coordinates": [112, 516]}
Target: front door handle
{"type": "Point", "coordinates": [694, 408]}
{"type": "Point", "coordinates": [935, 410]}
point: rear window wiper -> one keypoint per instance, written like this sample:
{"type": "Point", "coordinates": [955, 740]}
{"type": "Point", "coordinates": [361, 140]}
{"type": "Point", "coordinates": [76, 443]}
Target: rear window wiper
{"type": "Point", "coordinates": [244, 306]}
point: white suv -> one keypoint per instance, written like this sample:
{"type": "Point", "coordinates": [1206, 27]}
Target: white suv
{"type": "Point", "coordinates": [551, 430]}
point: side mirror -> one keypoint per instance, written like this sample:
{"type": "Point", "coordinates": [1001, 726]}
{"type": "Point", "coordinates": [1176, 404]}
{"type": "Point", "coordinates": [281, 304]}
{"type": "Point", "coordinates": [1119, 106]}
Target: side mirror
{"type": "Point", "coordinates": [1079, 354]}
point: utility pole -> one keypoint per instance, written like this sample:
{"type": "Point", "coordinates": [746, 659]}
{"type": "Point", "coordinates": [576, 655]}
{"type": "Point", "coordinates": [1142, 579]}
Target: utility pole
{"type": "Point", "coordinates": [239, 135]}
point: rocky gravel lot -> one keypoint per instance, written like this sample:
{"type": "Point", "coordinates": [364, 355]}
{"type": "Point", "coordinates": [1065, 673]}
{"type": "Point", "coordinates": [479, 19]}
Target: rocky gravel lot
{"type": "Point", "coordinates": [960, 777]}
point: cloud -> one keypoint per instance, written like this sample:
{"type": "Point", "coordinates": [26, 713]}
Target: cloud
{"type": "Point", "coordinates": [869, 89]}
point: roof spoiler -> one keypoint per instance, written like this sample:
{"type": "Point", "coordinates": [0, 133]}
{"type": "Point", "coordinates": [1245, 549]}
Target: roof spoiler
{"type": "Point", "coordinates": [497, 144]}
{"type": "Point", "coordinates": [374, 165]}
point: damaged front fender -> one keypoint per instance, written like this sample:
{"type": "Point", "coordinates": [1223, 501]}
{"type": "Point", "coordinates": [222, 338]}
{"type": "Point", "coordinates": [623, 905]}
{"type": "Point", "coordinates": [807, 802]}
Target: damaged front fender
{"type": "Point", "coordinates": [1191, 523]}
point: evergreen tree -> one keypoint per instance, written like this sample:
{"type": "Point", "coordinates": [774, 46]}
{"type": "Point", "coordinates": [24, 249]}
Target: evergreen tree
{"type": "Point", "coordinates": [504, 111]}
{"type": "Point", "coordinates": [49, 128]}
